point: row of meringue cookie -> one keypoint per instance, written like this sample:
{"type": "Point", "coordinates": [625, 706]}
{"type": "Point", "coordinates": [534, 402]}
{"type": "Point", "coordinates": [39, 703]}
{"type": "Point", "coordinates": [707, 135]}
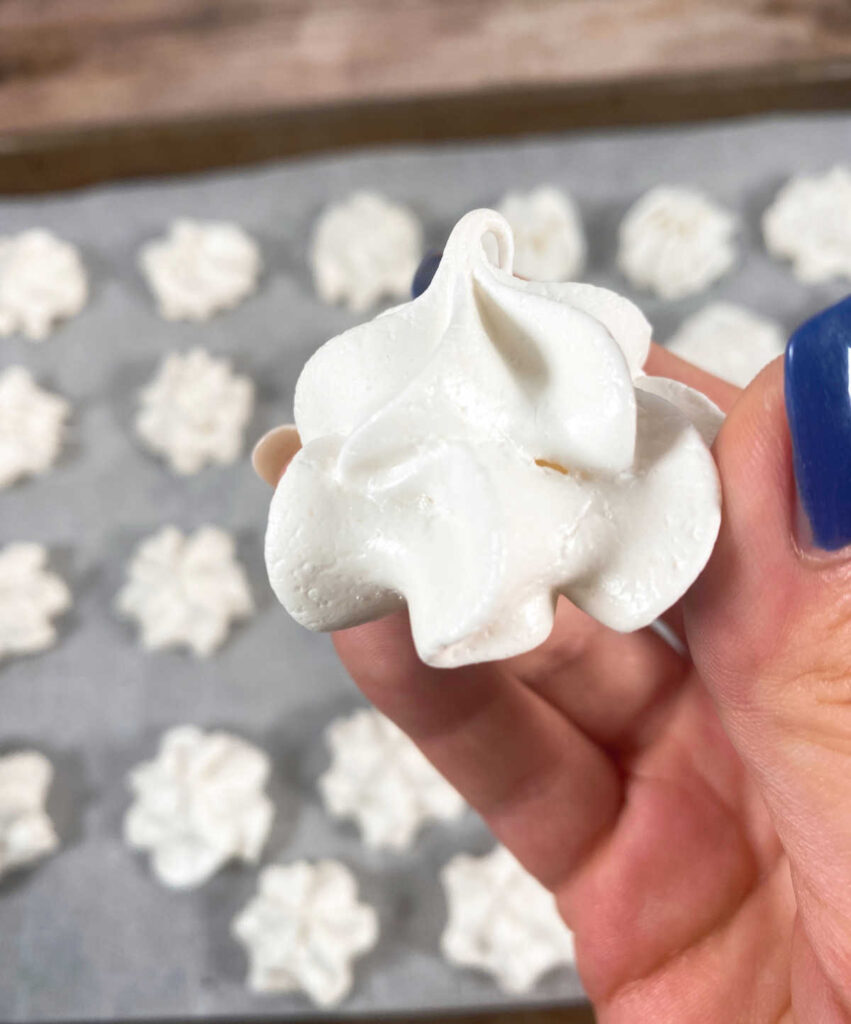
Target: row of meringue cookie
{"type": "Point", "coordinates": [193, 414]}
{"type": "Point", "coordinates": [183, 591]}
{"type": "Point", "coordinates": [201, 804]}
{"type": "Point", "coordinates": [198, 269]}
{"type": "Point", "coordinates": [195, 410]}
{"type": "Point", "coordinates": [673, 241]}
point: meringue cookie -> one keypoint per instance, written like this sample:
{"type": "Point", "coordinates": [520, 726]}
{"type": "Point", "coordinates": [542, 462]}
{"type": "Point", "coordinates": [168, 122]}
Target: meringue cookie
{"type": "Point", "coordinates": [199, 804]}
{"type": "Point", "coordinates": [809, 223]}
{"type": "Point", "coordinates": [303, 930]}
{"type": "Point", "coordinates": [363, 249]}
{"type": "Point", "coordinates": [30, 597]}
{"type": "Point", "coordinates": [729, 341]}
{"type": "Point", "coordinates": [503, 921]}
{"type": "Point", "coordinates": [676, 242]}
{"type": "Point", "coordinates": [379, 777]}
{"type": "Point", "coordinates": [26, 831]}
{"type": "Point", "coordinates": [200, 268]}
{"type": "Point", "coordinates": [549, 244]}
{"type": "Point", "coordinates": [185, 590]}
{"type": "Point", "coordinates": [42, 281]}
{"type": "Point", "coordinates": [483, 448]}
{"type": "Point", "coordinates": [32, 422]}
{"type": "Point", "coordinates": [195, 410]}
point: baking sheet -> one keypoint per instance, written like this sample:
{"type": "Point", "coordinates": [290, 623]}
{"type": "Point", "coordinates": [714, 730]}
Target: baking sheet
{"type": "Point", "coordinates": [89, 935]}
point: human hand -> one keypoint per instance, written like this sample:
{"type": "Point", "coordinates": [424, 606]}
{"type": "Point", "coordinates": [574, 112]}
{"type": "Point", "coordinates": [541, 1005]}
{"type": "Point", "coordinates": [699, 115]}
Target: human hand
{"type": "Point", "coordinates": [691, 812]}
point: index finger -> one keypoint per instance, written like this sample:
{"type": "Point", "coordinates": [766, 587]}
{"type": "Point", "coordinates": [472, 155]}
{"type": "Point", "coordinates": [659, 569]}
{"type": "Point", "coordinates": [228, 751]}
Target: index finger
{"type": "Point", "coordinates": [662, 363]}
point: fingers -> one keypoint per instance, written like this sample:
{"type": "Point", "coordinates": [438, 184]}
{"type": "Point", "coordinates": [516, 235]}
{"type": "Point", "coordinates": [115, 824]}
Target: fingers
{"type": "Point", "coordinates": [770, 631]}
{"type": "Point", "coordinates": [662, 363]}
{"type": "Point", "coordinates": [616, 687]}
{"type": "Point", "coordinates": [546, 790]}
{"type": "Point", "coordinates": [273, 453]}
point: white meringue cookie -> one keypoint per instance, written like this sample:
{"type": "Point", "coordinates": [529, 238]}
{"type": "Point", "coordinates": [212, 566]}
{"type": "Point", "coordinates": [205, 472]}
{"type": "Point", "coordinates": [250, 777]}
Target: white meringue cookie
{"type": "Point", "coordinates": [30, 598]}
{"type": "Point", "coordinates": [675, 242]}
{"type": "Point", "coordinates": [502, 920]}
{"type": "Point", "coordinates": [304, 929]}
{"type": "Point", "coordinates": [365, 248]}
{"type": "Point", "coordinates": [729, 341]}
{"type": "Point", "coordinates": [381, 779]}
{"type": "Point", "coordinates": [482, 449]}
{"type": "Point", "coordinates": [194, 411]}
{"type": "Point", "coordinates": [200, 268]}
{"type": "Point", "coordinates": [809, 223]}
{"type": "Point", "coordinates": [42, 281]}
{"type": "Point", "coordinates": [199, 804]}
{"type": "Point", "coordinates": [26, 831]}
{"type": "Point", "coordinates": [549, 244]}
{"type": "Point", "coordinates": [32, 423]}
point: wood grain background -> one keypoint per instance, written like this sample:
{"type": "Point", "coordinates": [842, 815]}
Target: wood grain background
{"type": "Point", "coordinates": [76, 63]}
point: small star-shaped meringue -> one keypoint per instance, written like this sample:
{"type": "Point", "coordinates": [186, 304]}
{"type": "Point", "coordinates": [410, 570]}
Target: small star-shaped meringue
{"type": "Point", "coordinates": [200, 268]}
{"type": "Point", "coordinates": [729, 341]}
{"type": "Point", "coordinates": [199, 804]}
{"type": "Point", "coordinates": [32, 422]}
{"type": "Point", "coordinates": [364, 248]}
{"type": "Point", "coordinates": [502, 920]}
{"type": "Point", "coordinates": [26, 831]}
{"type": "Point", "coordinates": [809, 223]}
{"type": "Point", "coordinates": [379, 777]}
{"type": "Point", "coordinates": [549, 244]}
{"type": "Point", "coordinates": [676, 242]}
{"type": "Point", "coordinates": [195, 410]}
{"type": "Point", "coordinates": [185, 590]}
{"type": "Point", "coordinates": [30, 597]}
{"type": "Point", "coordinates": [304, 928]}
{"type": "Point", "coordinates": [42, 280]}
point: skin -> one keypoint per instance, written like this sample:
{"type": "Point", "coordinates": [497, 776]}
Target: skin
{"type": "Point", "coordinates": [691, 813]}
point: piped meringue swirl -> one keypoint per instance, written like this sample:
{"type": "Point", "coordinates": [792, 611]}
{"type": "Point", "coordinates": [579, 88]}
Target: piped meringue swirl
{"type": "Point", "coordinates": [480, 450]}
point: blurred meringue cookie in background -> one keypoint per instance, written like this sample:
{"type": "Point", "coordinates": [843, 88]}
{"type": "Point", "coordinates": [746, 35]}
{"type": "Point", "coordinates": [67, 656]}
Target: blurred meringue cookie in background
{"type": "Point", "coordinates": [26, 831]}
{"type": "Point", "coordinates": [674, 241]}
{"type": "Point", "coordinates": [483, 448]}
{"type": "Point", "coordinates": [42, 281]}
{"type": "Point", "coordinates": [199, 804]}
{"type": "Point", "coordinates": [729, 341]}
{"type": "Point", "coordinates": [365, 248]}
{"type": "Point", "coordinates": [185, 590]}
{"type": "Point", "coordinates": [809, 223]}
{"type": "Point", "coordinates": [30, 598]}
{"type": "Point", "coordinates": [32, 425]}
{"type": "Point", "coordinates": [379, 778]}
{"type": "Point", "coordinates": [200, 268]}
{"type": "Point", "coordinates": [503, 921]}
{"type": "Point", "coordinates": [195, 410]}
{"type": "Point", "coordinates": [549, 243]}
{"type": "Point", "coordinates": [303, 930]}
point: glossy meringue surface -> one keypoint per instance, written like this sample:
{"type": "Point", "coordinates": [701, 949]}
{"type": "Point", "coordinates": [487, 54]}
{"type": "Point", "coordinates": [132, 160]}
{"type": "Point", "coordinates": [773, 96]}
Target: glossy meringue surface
{"type": "Point", "coordinates": [476, 452]}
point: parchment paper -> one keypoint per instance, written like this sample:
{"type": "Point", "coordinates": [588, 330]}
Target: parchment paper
{"type": "Point", "coordinates": [89, 934]}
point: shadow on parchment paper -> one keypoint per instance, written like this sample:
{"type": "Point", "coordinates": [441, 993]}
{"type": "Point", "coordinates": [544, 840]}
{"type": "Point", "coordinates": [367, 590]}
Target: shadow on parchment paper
{"type": "Point", "coordinates": [67, 799]}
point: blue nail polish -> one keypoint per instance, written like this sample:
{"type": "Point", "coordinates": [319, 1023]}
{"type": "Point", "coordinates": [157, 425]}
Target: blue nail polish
{"type": "Point", "coordinates": [818, 406]}
{"type": "Point", "coordinates": [425, 272]}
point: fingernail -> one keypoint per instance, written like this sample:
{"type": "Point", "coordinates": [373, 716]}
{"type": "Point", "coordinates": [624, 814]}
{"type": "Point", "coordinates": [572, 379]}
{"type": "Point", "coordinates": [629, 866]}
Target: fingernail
{"type": "Point", "coordinates": [425, 272]}
{"type": "Point", "coordinates": [818, 407]}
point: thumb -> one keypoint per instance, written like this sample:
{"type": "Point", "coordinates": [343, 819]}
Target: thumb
{"type": "Point", "coordinates": [769, 621]}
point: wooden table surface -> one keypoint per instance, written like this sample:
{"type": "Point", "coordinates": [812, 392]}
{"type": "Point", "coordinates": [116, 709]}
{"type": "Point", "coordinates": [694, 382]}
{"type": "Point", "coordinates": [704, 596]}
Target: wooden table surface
{"type": "Point", "coordinates": [98, 88]}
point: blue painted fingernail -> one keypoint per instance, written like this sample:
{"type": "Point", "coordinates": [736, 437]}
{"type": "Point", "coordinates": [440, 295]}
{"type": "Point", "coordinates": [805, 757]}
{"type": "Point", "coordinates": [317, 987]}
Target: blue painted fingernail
{"type": "Point", "coordinates": [425, 272]}
{"type": "Point", "coordinates": [818, 406]}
